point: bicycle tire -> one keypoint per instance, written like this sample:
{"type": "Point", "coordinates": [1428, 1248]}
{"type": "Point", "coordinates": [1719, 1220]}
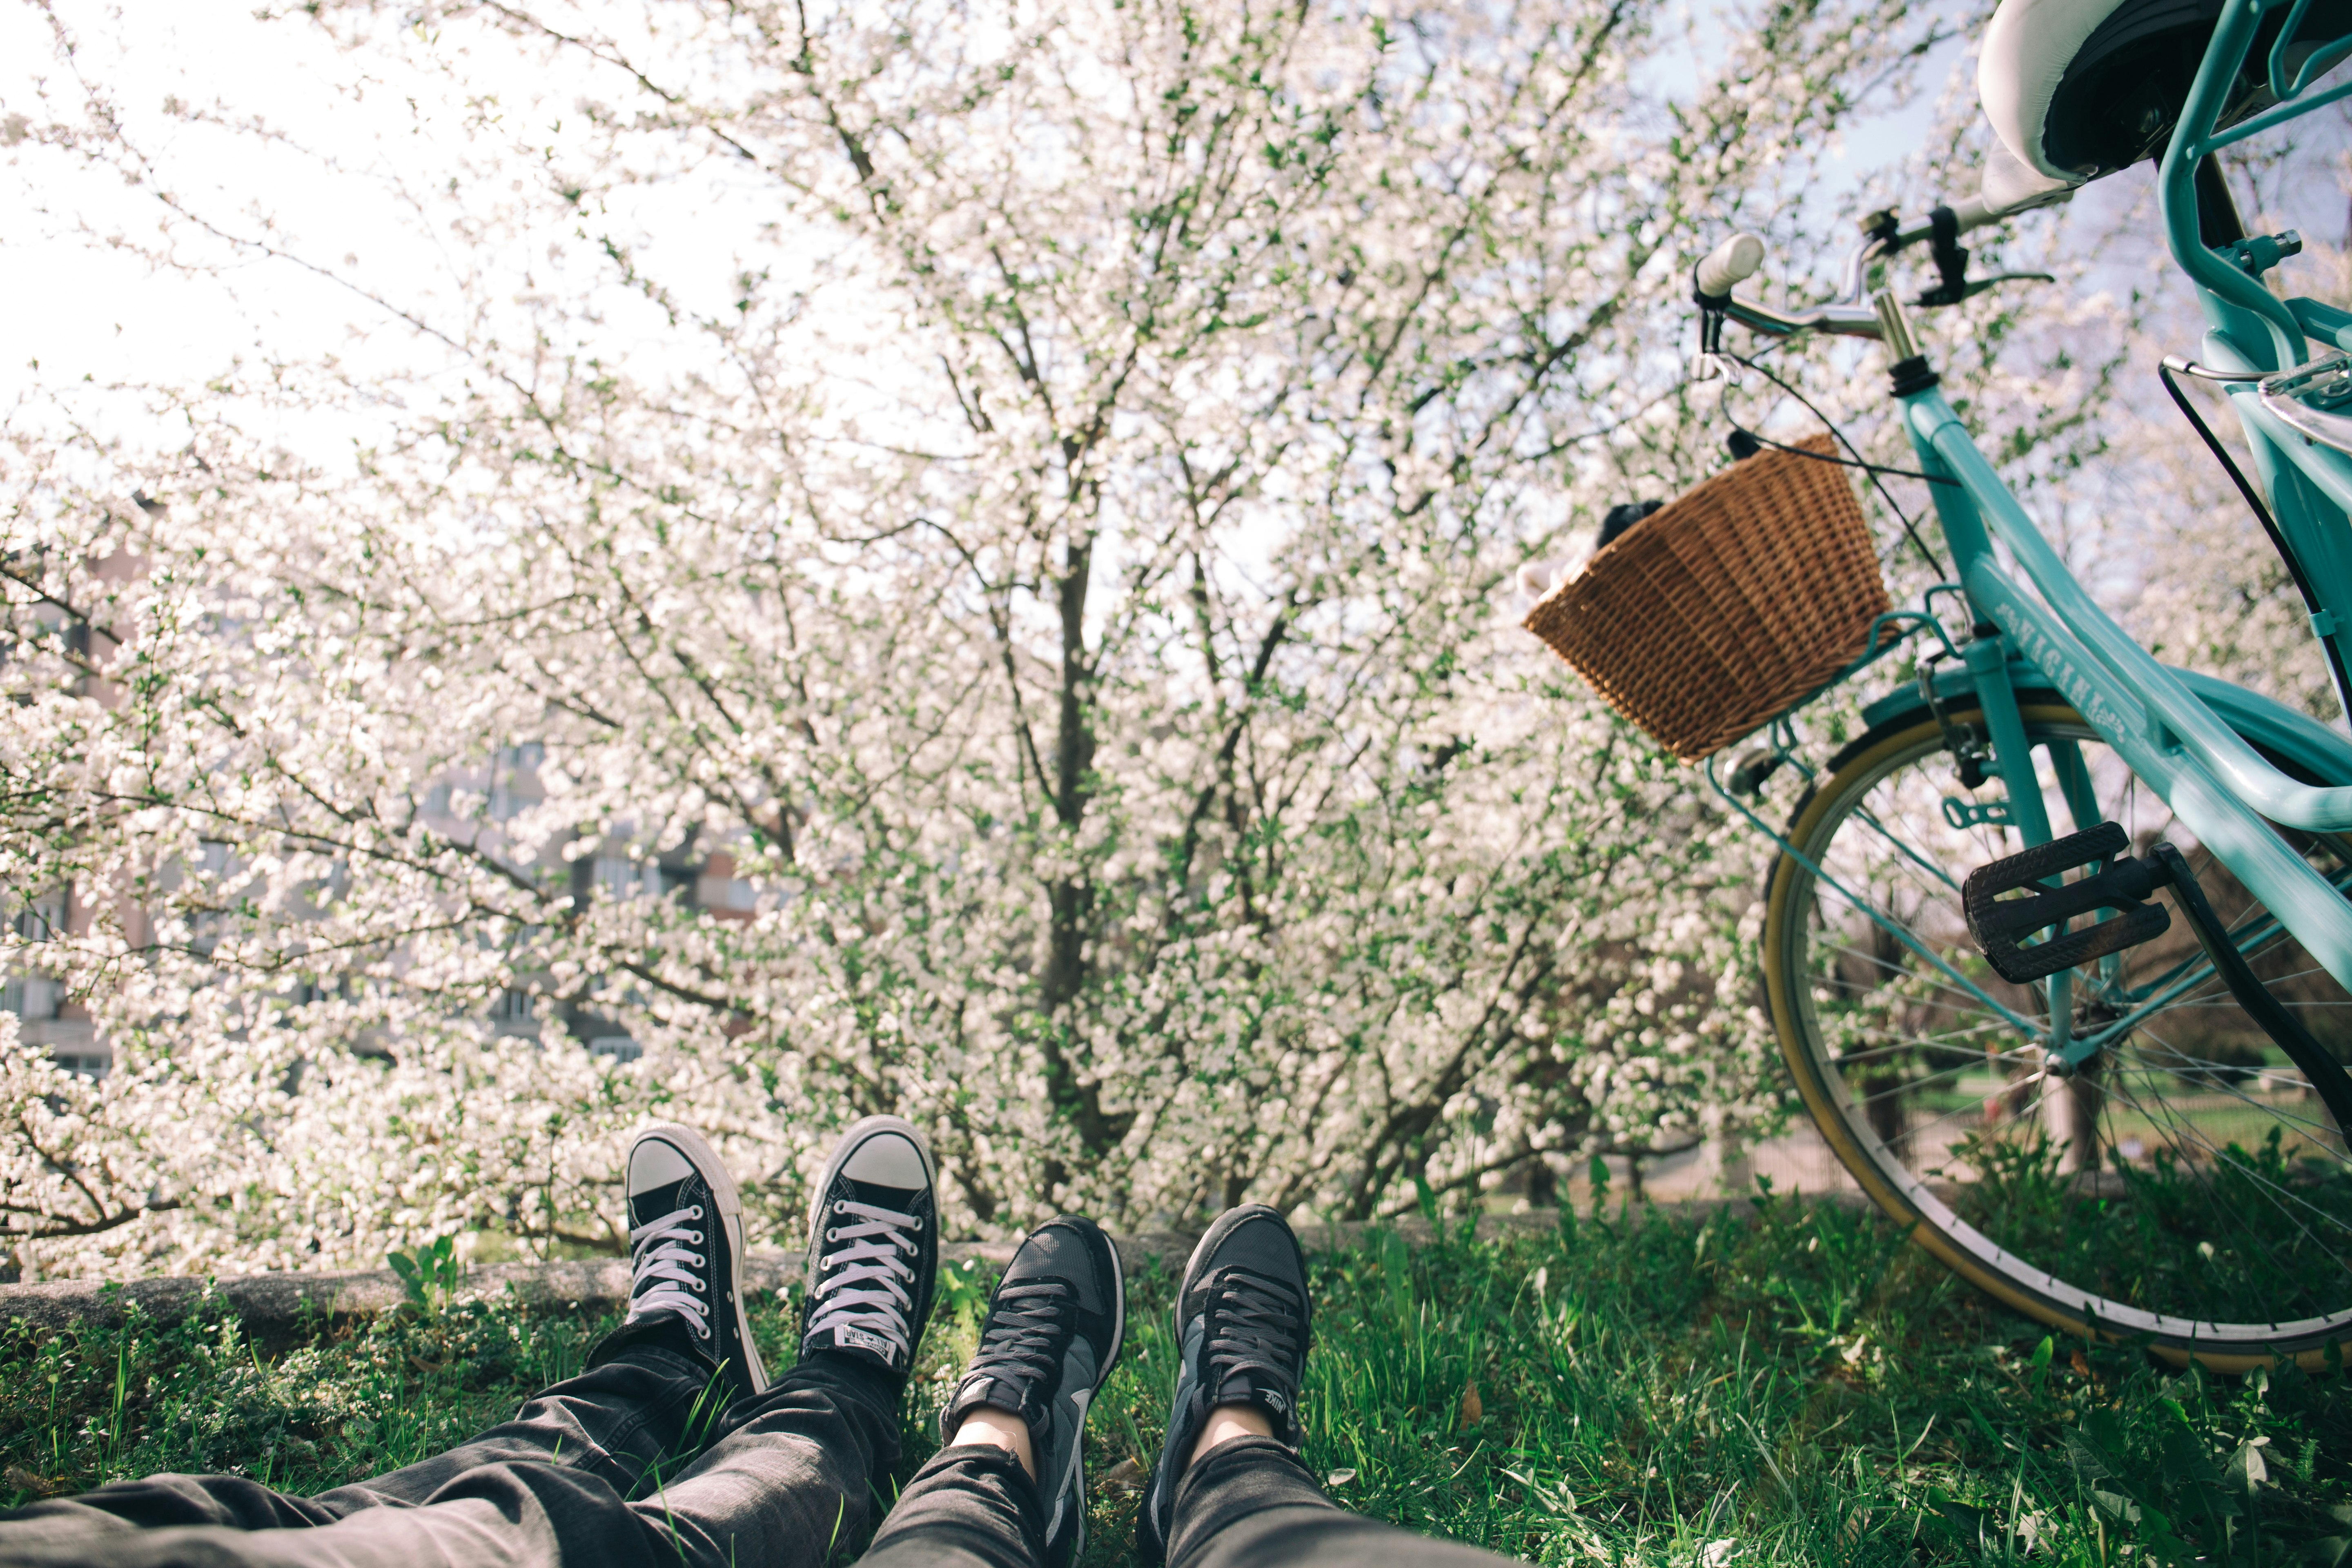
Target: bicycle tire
{"type": "Point", "coordinates": [1797, 981]}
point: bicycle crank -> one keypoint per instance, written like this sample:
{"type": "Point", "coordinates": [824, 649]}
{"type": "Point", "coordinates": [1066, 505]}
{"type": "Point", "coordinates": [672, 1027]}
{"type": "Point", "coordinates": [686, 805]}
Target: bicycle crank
{"type": "Point", "coordinates": [1998, 923]}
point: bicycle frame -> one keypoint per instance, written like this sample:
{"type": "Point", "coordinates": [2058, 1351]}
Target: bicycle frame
{"type": "Point", "coordinates": [2170, 739]}
{"type": "Point", "coordinates": [2217, 785]}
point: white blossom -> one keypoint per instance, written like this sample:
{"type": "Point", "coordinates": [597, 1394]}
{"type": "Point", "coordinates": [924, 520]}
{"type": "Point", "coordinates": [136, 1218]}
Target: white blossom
{"type": "Point", "coordinates": [1059, 538]}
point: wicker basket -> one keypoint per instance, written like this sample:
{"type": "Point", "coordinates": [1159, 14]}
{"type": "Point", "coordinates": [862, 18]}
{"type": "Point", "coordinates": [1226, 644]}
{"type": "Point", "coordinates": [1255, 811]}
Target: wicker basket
{"type": "Point", "coordinates": [1726, 607]}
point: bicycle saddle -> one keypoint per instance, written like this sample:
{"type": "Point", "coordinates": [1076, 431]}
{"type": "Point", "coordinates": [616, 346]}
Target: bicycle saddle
{"type": "Point", "coordinates": [2079, 89]}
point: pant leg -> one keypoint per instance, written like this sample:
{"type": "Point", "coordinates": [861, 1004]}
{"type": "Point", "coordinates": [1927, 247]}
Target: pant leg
{"type": "Point", "coordinates": [1250, 1503]}
{"type": "Point", "coordinates": [794, 1479]}
{"type": "Point", "coordinates": [551, 1488]}
{"type": "Point", "coordinates": [972, 1506]}
{"type": "Point", "coordinates": [647, 1397]}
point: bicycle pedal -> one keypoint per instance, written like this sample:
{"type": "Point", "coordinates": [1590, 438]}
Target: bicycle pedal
{"type": "Point", "coordinates": [1999, 924]}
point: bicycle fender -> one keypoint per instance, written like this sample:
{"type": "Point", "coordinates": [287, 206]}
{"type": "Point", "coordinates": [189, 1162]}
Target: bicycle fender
{"type": "Point", "coordinates": [2261, 719]}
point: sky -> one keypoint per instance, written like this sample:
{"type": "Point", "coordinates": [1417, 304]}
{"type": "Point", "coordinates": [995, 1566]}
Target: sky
{"type": "Point", "coordinates": [87, 307]}
{"type": "Point", "coordinates": [84, 305]}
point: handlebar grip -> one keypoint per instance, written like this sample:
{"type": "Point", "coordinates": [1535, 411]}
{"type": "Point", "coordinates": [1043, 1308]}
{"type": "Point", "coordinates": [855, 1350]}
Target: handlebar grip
{"type": "Point", "coordinates": [1728, 264]}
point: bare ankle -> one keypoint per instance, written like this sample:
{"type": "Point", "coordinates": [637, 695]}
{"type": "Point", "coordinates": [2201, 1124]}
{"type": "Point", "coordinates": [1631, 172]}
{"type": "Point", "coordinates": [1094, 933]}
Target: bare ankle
{"type": "Point", "coordinates": [996, 1429]}
{"type": "Point", "coordinates": [1227, 1423]}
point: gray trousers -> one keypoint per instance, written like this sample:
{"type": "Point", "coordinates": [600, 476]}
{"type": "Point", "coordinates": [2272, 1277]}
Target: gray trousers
{"type": "Point", "coordinates": [623, 1466]}
{"type": "Point", "coordinates": [627, 1464]}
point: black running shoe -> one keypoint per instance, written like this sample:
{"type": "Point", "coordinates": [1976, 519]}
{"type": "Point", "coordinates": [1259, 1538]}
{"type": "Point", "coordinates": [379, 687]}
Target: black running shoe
{"type": "Point", "coordinates": [1241, 1332]}
{"type": "Point", "coordinates": [1051, 1339]}
{"type": "Point", "coordinates": [685, 1248]}
{"type": "Point", "coordinates": [873, 1248]}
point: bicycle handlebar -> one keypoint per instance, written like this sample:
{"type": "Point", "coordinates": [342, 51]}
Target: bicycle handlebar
{"type": "Point", "coordinates": [1740, 257]}
{"type": "Point", "coordinates": [1843, 321]}
{"type": "Point", "coordinates": [1728, 265]}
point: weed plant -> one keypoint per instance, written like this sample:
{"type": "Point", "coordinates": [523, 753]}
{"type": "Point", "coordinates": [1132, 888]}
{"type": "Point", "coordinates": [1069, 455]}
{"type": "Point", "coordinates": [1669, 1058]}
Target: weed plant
{"type": "Point", "coordinates": [2247, 1237]}
{"type": "Point", "coordinates": [1780, 1382]}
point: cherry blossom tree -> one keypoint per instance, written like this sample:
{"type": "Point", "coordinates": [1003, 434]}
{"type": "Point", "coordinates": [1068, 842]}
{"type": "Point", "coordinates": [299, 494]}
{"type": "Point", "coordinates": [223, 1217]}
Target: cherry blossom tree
{"type": "Point", "coordinates": [1045, 541]}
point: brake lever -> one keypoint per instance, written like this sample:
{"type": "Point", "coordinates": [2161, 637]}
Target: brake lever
{"type": "Point", "coordinates": [1952, 265]}
{"type": "Point", "coordinates": [1975, 287]}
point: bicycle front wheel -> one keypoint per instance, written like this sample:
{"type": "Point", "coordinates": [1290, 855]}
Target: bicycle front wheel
{"type": "Point", "coordinates": [2184, 1184]}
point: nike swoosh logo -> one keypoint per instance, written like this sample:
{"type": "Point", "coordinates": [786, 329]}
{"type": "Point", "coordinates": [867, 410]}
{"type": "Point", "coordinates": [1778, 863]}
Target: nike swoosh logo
{"type": "Point", "coordinates": [1062, 1494]}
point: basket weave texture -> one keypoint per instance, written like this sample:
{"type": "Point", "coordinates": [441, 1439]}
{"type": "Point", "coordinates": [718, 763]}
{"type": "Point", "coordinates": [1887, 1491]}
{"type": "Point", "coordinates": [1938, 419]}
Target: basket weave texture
{"type": "Point", "coordinates": [1722, 609]}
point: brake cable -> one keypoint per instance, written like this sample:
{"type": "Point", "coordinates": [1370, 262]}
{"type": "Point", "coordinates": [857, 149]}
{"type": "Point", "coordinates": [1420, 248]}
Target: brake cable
{"type": "Point", "coordinates": [1858, 461]}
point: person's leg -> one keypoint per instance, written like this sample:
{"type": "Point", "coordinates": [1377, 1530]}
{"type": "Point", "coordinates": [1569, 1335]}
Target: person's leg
{"type": "Point", "coordinates": [795, 1475]}
{"type": "Point", "coordinates": [1249, 1503]}
{"type": "Point", "coordinates": [638, 1399]}
{"type": "Point", "coordinates": [1009, 1489]}
{"type": "Point", "coordinates": [1230, 1491]}
{"type": "Point", "coordinates": [973, 1505]}
{"type": "Point", "coordinates": [789, 1484]}
{"type": "Point", "coordinates": [556, 1483]}
{"type": "Point", "coordinates": [654, 1388]}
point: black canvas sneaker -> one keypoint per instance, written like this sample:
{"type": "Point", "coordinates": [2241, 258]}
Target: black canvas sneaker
{"type": "Point", "coordinates": [1051, 1339]}
{"type": "Point", "coordinates": [873, 1248]}
{"type": "Point", "coordinates": [685, 1248]}
{"type": "Point", "coordinates": [1242, 1333]}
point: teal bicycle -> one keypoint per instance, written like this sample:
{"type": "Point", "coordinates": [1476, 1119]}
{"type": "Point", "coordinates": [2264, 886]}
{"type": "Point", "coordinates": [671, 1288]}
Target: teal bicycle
{"type": "Point", "coordinates": [2060, 950]}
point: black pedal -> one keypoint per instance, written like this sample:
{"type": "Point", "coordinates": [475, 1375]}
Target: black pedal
{"type": "Point", "coordinates": [1999, 924]}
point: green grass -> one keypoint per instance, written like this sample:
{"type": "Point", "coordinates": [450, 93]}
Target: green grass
{"type": "Point", "coordinates": [1785, 1382]}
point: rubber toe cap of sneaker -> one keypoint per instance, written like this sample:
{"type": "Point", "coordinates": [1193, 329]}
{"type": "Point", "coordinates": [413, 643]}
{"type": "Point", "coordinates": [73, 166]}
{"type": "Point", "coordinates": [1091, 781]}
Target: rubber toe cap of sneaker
{"type": "Point", "coordinates": [887, 1160]}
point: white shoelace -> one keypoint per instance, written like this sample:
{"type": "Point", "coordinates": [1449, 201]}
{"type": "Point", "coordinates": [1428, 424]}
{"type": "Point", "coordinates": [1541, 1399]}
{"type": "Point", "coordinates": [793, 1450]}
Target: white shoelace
{"type": "Point", "coordinates": [662, 1252]}
{"type": "Point", "coordinates": [844, 1295]}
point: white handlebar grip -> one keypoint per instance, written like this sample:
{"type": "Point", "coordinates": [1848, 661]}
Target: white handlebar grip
{"type": "Point", "coordinates": [1732, 262]}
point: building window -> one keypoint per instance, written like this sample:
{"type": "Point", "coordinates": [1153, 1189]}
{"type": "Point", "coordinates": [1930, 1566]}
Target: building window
{"type": "Point", "coordinates": [41, 918]}
{"type": "Point", "coordinates": [515, 768]}
{"type": "Point", "coordinates": [35, 996]}
{"type": "Point", "coordinates": [30, 997]}
{"type": "Point", "coordinates": [620, 879]}
{"type": "Point", "coordinates": [513, 1006]}
{"type": "Point", "coordinates": [620, 1048]}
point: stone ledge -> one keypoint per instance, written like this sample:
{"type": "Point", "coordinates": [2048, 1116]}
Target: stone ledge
{"type": "Point", "coordinates": [273, 1306]}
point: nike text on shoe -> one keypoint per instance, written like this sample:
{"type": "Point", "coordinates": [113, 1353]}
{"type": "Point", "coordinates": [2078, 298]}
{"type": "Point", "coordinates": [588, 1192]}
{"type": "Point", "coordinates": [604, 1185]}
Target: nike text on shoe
{"type": "Point", "coordinates": [686, 1247]}
{"type": "Point", "coordinates": [873, 1248]}
{"type": "Point", "coordinates": [1051, 1339]}
{"type": "Point", "coordinates": [1241, 1332]}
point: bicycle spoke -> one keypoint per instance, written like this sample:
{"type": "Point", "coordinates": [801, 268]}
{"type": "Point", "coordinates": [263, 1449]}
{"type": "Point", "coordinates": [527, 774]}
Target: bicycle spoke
{"type": "Point", "coordinates": [2343, 1264]}
{"type": "Point", "coordinates": [1894, 972]}
{"type": "Point", "coordinates": [2016, 1117]}
{"type": "Point", "coordinates": [2173, 1119]}
{"type": "Point", "coordinates": [2220, 1086]}
{"type": "Point", "coordinates": [1942, 1072]}
{"type": "Point", "coordinates": [1976, 1064]}
{"type": "Point", "coordinates": [1910, 1042]}
{"type": "Point", "coordinates": [1908, 853]}
{"type": "Point", "coordinates": [2226, 1216]}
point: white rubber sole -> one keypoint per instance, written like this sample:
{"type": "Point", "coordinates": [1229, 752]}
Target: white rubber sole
{"type": "Point", "coordinates": [729, 1199]}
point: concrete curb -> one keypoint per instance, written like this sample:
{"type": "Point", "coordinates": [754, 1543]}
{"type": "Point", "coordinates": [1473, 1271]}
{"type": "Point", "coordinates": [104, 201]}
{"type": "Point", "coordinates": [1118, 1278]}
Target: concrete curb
{"type": "Point", "coordinates": [273, 1307]}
